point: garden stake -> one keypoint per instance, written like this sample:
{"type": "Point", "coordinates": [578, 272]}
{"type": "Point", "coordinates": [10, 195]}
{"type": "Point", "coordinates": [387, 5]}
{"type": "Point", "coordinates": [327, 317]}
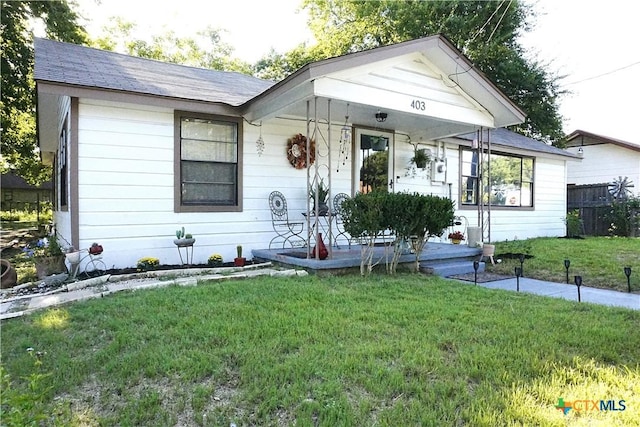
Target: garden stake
{"type": "Point", "coordinates": [627, 272]}
{"type": "Point", "coordinates": [521, 257]}
{"type": "Point", "coordinates": [578, 281]}
{"type": "Point", "coordinates": [566, 266]}
{"type": "Point", "coordinates": [476, 264]}
{"type": "Point", "coordinates": [518, 274]}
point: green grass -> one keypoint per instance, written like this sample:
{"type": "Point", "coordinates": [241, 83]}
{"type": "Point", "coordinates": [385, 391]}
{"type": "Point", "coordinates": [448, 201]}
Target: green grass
{"type": "Point", "coordinates": [388, 351]}
{"type": "Point", "coordinates": [599, 260]}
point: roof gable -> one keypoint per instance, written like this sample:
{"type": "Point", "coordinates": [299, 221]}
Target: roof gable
{"type": "Point", "coordinates": [580, 137]}
{"type": "Point", "coordinates": [70, 64]}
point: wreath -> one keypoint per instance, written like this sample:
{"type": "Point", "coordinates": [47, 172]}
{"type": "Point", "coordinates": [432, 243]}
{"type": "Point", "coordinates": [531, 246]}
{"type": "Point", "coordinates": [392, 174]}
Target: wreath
{"type": "Point", "coordinates": [297, 151]}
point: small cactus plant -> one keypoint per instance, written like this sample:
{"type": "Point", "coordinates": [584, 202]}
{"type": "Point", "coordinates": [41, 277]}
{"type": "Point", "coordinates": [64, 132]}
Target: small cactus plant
{"type": "Point", "coordinates": [180, 233]}
{"type": "Point", "coordinates": [239, 250]}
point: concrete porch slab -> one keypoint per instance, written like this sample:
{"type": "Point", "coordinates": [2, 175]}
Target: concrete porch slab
{"type": "Point", "coordinates": [343, 257]}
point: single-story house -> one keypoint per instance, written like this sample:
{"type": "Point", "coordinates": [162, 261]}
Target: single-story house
{"type": "Point", "coordinates": [18, 194]}
{"type": "Point", "coordinates": [604, 159]}
{"type": "Point", "coordinates": [142, 148]}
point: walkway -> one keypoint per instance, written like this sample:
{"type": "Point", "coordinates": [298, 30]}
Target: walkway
{"type": "Point", "coordinates": [568, 292]}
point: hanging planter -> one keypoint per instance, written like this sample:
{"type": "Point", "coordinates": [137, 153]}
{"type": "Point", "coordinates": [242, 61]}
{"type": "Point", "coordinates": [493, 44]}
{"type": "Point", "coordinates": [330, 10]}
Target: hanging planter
{"type": "Point", "coordinates": [297, 151]}
{"type": "Point", "coordinates": [420, 158]}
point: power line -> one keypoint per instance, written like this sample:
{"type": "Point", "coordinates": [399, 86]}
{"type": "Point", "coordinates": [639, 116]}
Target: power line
{"type": "Point", "coordinates": [603, 74]}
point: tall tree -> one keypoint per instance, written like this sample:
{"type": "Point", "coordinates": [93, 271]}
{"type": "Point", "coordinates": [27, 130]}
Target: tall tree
{"type": "Point", "coordinates": [486, 32]}
{"type": "Point", "coordinates": [205, 50]}
{"type": "Point", "coordinates": [19, 151]}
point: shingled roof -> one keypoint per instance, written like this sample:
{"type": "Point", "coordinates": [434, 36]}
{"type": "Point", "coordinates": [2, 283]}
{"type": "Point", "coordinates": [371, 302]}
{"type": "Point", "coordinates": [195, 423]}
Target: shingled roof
{"type": "Point", "coordinates": [76, 65]}
{"type": "Point", "coordinates": [507, 138]}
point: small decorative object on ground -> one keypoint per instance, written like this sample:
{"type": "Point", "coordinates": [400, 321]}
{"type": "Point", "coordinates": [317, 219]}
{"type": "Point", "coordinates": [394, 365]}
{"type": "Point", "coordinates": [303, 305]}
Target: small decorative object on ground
{"type": "Point", "coordinates": [215, 260]}
{"type": "Point", "coordinates": [147, 263]}
{"type": "Point", "coordinates": [456, 237]}
{"type": "Point", "coordinates": [9, 275]}
{"type": "Point", "coordinates": [297, 151]}
{"type": "Point", "coordinates": [321, 249]}
{"type": "Point", "coordinates": [239, 261]}
{"type": "Point", "coordinates": [96, 249]}
{"type": "Point", "coordinates": [47, 256]}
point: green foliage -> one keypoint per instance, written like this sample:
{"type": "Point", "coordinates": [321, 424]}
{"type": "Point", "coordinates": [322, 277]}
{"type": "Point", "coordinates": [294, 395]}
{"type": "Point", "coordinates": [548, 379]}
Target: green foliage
{"type": "Point", "coordinates": [239, 251]}
{"type": "Point", "coordinates": [486, 32]}
{"type": "Point", "coordinates": [28, 406]}
{"type": "Point", "coordinates": [18, 145]}
{"type": "Point", "coordinates": [624, 217]}
{"type": "Point", "coordinates": [410, 217]}
{"type": "Point", "coordinates": [407, 350]}
{"type": "Point", "coordinates": [321, 190]}
{"type": "Point", "coordinates": [574, 223]}
{"type": "Point", "coordinates": [147, 263]}
{"type": "Point", "coordinates": [206, 50]}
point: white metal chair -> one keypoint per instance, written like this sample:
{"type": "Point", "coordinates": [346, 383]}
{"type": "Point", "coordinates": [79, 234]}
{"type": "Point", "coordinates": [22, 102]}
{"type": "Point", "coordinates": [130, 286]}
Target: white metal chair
{"type": "Point", "coordinates": [288, 231]}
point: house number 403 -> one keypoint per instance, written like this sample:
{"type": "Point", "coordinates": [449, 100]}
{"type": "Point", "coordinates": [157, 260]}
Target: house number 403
{"type": "Point", "coordinates": [416, 104]}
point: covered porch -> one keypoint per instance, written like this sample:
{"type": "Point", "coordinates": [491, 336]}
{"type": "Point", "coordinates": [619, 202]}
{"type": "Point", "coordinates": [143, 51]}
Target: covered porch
{"type": "Point", "coordinates": [408, 96]}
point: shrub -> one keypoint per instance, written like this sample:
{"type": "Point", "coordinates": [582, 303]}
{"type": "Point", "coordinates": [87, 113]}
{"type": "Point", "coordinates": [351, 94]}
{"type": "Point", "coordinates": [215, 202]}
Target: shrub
{"type": "Point", "coordinates": [574, 223]}
{"type": "Point", "coordinates": [624, 217]}
{"type": "Point", "coordinates": [147, 263]}
{"type": "Point", "coordinates": [215, 260]}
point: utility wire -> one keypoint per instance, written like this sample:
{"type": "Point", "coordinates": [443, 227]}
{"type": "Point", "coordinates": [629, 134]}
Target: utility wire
{"type": "Point", "coordinates": [499, 21]}
{"type": "Point", "coordinates": [603, 74]}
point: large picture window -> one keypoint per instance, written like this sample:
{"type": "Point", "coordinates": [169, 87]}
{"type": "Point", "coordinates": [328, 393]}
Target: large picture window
{"type": "Point", "coordinates": [510, 183]}
{"type": "Point", "coordinates": [209, 159]}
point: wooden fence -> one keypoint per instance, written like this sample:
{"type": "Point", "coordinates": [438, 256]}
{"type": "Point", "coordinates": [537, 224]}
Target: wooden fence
{"type": "Point", "coordinates": [593, 201]}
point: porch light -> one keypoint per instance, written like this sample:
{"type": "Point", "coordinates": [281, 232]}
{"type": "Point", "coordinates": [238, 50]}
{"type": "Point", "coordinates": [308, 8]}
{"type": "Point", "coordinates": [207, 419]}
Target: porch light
{"type": "Point", "coordinates": [381, 117]}
{"type": "Point", "coordinates": [580, 151]}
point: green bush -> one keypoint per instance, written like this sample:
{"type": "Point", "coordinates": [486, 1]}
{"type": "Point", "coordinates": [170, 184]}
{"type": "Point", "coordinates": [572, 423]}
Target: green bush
{"type": "Point", "coordinates": [215, 260]}
{"type": "Point", "coordinates": [411, 217]}
{"type": "Point", "coordinates": [623, 217]}
{"type": "Point", "coordinates": [147, 263]}
{"type": "Point", "coordinates": [573, 223]}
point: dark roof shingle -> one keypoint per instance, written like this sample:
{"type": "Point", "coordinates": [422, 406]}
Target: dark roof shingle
{"type": "Point", "coordinates": [507, 138]}
{"type": "Point", "coordinates": [77, 65]}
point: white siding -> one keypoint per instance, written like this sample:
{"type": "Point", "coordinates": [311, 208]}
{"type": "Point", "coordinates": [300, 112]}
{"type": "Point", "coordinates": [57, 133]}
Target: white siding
{"type": "Point", "coordinates": [603, 163]}
{"type": "Point", "coordinates": [126, 186]}
{"type": "Point", "coordinates": [62, 219]}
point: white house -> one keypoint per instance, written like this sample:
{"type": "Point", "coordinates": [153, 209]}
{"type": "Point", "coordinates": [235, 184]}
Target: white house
{"type": "Point", "coordinates": [603, 159]}
{"type": "Point", "coordinates": [142, 147]}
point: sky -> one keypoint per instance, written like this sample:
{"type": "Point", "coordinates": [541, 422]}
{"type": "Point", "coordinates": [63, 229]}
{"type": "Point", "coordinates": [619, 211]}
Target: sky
{"type": "Point", "coordinates": [592, 43]}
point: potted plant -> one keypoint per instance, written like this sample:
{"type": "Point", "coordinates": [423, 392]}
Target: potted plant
{"type": "Point", "coordinates": [183, 239]}
{"type": "Point", "coordinates": [239, 261]}
{"type": "Point", "coordinates": [456, 237]}
{"type": "Point", "coordinates": [420, 158]}
{"type": "Point", "coordinates": [48, 256]}
{"type": "Point", "coordinates": [215, 260]}
{"type": "Point", "coordinates": [323, 192]}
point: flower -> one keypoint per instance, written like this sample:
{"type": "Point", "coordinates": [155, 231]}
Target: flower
{"type": "Point", "coordinates": [456, 235]}
{"type": "Point", "coordinates": [215, 260]}
{"type": "Point", "coordinates": [44, 247]}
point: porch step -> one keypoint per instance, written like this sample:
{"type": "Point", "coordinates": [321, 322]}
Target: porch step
{"type": "Point", "coordinates": [449, 268]}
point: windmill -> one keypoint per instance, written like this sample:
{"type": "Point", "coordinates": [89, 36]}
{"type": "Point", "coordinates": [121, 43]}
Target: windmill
{"type": "Point", "coordinates": [620, 188]}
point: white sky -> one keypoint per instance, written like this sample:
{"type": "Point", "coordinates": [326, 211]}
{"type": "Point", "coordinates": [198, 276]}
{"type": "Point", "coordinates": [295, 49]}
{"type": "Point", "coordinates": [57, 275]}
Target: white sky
{"type": "Point", "coordinates": [580, 39]}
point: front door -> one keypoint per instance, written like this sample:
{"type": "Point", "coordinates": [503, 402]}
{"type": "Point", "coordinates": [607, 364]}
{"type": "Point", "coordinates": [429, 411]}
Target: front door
{"type": "Point", "coordinates": [372, 168]}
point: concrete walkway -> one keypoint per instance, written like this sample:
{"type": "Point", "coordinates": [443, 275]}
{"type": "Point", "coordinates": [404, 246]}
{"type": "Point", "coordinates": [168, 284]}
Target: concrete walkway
{"type": "Point", "coordinates": [568, 292]}
{"type": "Point", "coordinates": [105, 285]}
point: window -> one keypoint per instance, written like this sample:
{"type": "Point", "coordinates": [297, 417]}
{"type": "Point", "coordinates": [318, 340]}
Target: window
{"type": "Point", "coordinates": [208, 178]}
{"type": "Point", "coordinates": [511, 181]}
{"type": "Point", "coordinates": [62, 167]}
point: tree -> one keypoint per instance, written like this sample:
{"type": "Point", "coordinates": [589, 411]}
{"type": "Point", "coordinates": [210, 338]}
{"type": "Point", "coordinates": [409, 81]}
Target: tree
{"type": "Point", "coordinates": [486, 32]}
{"type": "Point", "coordinates": [19, 151]}
{"type": "Point", "coordinates": [206, 50]}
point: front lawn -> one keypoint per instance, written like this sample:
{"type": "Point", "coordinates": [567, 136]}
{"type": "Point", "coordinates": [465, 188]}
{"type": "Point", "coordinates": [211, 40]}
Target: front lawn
{"type": "Point", "coordinates": [599, 260]}
{"type": "Point", "coordinates": [387, 351]}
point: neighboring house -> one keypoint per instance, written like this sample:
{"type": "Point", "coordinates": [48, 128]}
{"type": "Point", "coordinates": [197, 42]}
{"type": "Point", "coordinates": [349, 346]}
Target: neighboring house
{"type": "Point", "coordinates": [603, 159]}
{"type": "Point", "coordinates": [142, 147]}
{"type": "Point", "coordinates": [18, 194]}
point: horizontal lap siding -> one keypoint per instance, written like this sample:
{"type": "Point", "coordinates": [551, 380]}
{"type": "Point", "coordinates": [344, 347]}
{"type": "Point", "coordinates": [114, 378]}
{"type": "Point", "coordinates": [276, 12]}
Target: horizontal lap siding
{"type": "Point", "coordinates": [604, 163]}
{"type": "Point", "coordinates": [126, 186]}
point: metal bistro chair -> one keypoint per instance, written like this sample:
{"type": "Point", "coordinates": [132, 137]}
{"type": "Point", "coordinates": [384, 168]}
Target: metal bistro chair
{"type": "Point", "coordinates": [286, 230]}
{"type": "Point", "coordinates": [337, 209]}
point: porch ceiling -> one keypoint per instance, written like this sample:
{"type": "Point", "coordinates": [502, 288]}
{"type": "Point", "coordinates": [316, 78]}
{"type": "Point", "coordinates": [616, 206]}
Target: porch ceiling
{"type": "Point", "coordinates": [427, 88]}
